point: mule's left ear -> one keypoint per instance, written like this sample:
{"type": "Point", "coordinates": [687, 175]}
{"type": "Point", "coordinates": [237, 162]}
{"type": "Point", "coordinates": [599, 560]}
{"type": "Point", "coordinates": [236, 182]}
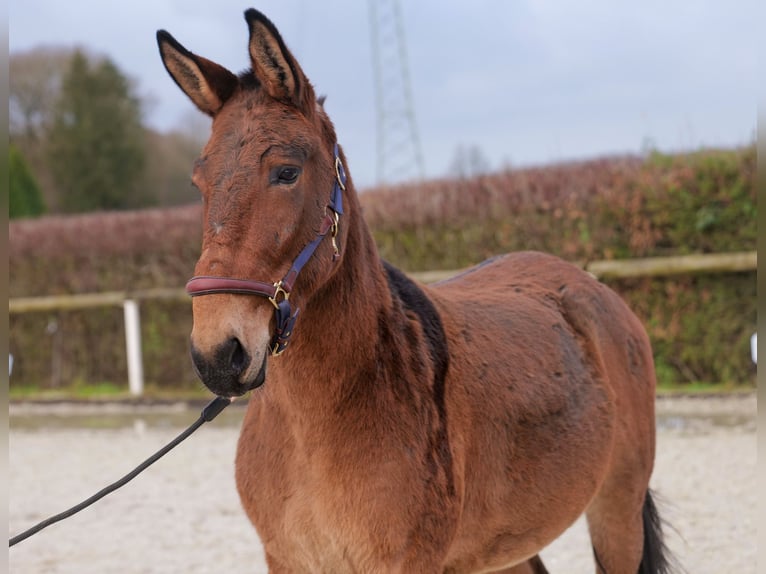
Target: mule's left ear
{"type": "Point", "coordinates": [275, 66]}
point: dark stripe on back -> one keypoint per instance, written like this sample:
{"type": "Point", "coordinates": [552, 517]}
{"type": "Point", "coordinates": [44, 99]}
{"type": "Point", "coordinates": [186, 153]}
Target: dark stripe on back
{"type": "Point", "coordinates": [470, 270]}
{"type": "Point", "coordinates": [415, 300]}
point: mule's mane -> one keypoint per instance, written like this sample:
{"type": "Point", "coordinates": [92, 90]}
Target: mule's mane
{"type": "Point", "coordinates": [249, 81]}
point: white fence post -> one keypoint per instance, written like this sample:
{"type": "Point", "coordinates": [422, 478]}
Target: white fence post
{"type": "Point", "coordinates": [754, 347]}
{"type": "Point", "coordinates": [133, 347]}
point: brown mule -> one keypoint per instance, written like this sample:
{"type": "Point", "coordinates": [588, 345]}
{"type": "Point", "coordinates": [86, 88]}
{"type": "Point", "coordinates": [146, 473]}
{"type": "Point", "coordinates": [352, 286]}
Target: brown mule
{"type": "Point", "coordinates": [459, 427]}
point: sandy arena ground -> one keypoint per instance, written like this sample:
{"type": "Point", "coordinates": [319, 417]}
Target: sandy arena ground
{"type": "Point", "coordinates": [183, 514]}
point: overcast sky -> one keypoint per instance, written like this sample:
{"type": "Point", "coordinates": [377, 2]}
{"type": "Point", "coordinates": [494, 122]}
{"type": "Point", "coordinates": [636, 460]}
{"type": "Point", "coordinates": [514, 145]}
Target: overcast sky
{"type": "Point", "coordinates": [525, 81]}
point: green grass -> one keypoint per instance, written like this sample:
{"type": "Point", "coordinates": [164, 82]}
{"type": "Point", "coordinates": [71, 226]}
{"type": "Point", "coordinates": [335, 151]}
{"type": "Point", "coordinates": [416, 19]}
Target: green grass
{"type": "Point", "coordinates": [701, 389]}
{"type": "Point", "coordinates": [105, 391]}
{"type": "Point", "coordinates": [22, 391]}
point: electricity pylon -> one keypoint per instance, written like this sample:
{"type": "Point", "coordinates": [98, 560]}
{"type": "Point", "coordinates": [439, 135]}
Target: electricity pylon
{"type": "Point", "coordinates": [399, 156]}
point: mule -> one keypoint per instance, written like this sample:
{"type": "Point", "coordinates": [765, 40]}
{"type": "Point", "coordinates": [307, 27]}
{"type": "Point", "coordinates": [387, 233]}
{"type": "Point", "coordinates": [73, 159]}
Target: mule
{"type": "Point", "coordinates": [393, 426]}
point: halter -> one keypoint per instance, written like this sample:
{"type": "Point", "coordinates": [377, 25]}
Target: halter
{"type": "Point", "coordinates": [279, 293]}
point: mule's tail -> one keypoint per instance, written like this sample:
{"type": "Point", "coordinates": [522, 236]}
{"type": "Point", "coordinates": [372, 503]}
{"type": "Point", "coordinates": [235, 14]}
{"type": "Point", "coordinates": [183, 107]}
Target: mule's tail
{"type": "Point", "coordinates": [656, 558]}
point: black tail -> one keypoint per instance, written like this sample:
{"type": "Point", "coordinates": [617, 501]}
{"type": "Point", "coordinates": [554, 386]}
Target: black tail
{"type": "Point", "coordinates": [656, 558]}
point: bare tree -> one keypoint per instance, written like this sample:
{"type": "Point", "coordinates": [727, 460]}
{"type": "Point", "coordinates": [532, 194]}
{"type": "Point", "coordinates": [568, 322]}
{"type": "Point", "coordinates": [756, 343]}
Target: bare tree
{"type": "Point", "coordinates": [35, 84]}
{"type": "Point", "coordinates": [469, 161]}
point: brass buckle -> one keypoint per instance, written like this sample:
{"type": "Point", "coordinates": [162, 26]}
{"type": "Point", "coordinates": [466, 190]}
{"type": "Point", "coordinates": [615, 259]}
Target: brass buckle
{"type": "Point", "coordinates": [276, 351]}
{"type": "Point", "coordinates": [277, 290]}
{"type": "Point", "coordinates": [334, 234]}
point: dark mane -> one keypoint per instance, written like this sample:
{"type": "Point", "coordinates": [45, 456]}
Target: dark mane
{"type": "Point", "coordinates": [248, 80]}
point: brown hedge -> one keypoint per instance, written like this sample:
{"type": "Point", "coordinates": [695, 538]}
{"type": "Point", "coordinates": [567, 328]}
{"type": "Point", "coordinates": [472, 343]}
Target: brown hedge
{"type": "Point", "coordinates": [601, 209]}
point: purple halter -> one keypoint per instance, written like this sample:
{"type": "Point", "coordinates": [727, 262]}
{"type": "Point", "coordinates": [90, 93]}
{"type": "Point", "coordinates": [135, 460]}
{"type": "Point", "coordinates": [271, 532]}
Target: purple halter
{"type": "Point", "coordinates": [279, 293]}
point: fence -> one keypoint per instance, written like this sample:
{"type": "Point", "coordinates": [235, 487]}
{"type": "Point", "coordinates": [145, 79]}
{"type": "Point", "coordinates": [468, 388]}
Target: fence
{"type": "Point", "coordinates": [130, 300]}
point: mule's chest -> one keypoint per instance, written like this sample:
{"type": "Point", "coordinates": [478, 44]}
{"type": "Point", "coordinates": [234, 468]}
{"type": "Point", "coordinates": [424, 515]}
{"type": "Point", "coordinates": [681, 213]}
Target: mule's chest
{"type": "Point", "coordinates": [284, 504]}
{"type": "Point", "coordinates": [311, 540]}
{"type": "Point", "coordinates": [328, 509]}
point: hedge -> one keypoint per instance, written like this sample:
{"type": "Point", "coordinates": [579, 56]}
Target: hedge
{"type": "Point", "coordinates": [702, 202]}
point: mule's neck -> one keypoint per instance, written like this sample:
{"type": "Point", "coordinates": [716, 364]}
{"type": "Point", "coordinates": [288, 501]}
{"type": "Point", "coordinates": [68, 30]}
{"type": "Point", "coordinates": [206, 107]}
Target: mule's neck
{"type": "Point", "coordinates": [337, 334]}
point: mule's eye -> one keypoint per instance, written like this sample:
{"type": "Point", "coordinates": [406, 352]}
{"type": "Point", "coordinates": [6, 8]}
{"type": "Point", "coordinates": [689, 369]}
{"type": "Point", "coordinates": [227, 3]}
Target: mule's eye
{"type": "Point", "coordinates": [285, 175]}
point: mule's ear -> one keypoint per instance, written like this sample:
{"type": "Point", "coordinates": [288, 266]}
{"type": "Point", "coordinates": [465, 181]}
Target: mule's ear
{"type": "Point", "coordinates": [206, 83]}
{"type": "Point", "coordinates": [275, 66]}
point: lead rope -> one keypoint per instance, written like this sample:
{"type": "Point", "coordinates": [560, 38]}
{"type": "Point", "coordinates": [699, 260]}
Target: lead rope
{"type": "Point", "coordinates": [211, 410]}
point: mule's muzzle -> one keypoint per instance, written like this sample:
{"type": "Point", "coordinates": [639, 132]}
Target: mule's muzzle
{"type": "Point", "coordinates": [226, 372]}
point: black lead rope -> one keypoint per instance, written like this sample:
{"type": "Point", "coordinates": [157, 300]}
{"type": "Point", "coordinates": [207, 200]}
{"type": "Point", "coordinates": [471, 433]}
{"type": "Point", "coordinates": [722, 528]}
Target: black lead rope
{"type": "Point", "coordinates": [211, 410]}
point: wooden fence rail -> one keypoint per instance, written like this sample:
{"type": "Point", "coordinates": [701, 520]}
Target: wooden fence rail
{"type": "Point", "coordinates": [615, 269]}
{"type": "Point", "coordinates": [128, 300]}
{"type": "Point", "coordinates": [647, 267]}
{"type": "Point", "coordinates": [85, 300]}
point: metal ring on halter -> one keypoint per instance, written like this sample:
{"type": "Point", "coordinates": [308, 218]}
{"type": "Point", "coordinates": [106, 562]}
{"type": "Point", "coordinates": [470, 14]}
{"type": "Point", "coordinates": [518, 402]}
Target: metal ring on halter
{"type": "Point", "coordinates": [338, 171]}
{"type": "Point", "coordinates": [277, 290]}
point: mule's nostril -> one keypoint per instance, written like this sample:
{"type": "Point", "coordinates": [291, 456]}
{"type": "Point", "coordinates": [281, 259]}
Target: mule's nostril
{"type": "Point", "coordinates": [223, 370]}
{"type": "Point", "coordinates": [238, 359]}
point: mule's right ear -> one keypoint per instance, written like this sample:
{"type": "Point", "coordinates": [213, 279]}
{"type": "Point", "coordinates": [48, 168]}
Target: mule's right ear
{"type": "Point", "coordinates": [206, 83]}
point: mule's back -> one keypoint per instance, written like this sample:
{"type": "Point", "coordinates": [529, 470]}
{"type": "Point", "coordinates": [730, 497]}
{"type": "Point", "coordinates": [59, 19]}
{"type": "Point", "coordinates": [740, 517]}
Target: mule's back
{"type": "Point", "coordinates": [533, 311]}
{"type": "Point", "coordinates": [513, 288]}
